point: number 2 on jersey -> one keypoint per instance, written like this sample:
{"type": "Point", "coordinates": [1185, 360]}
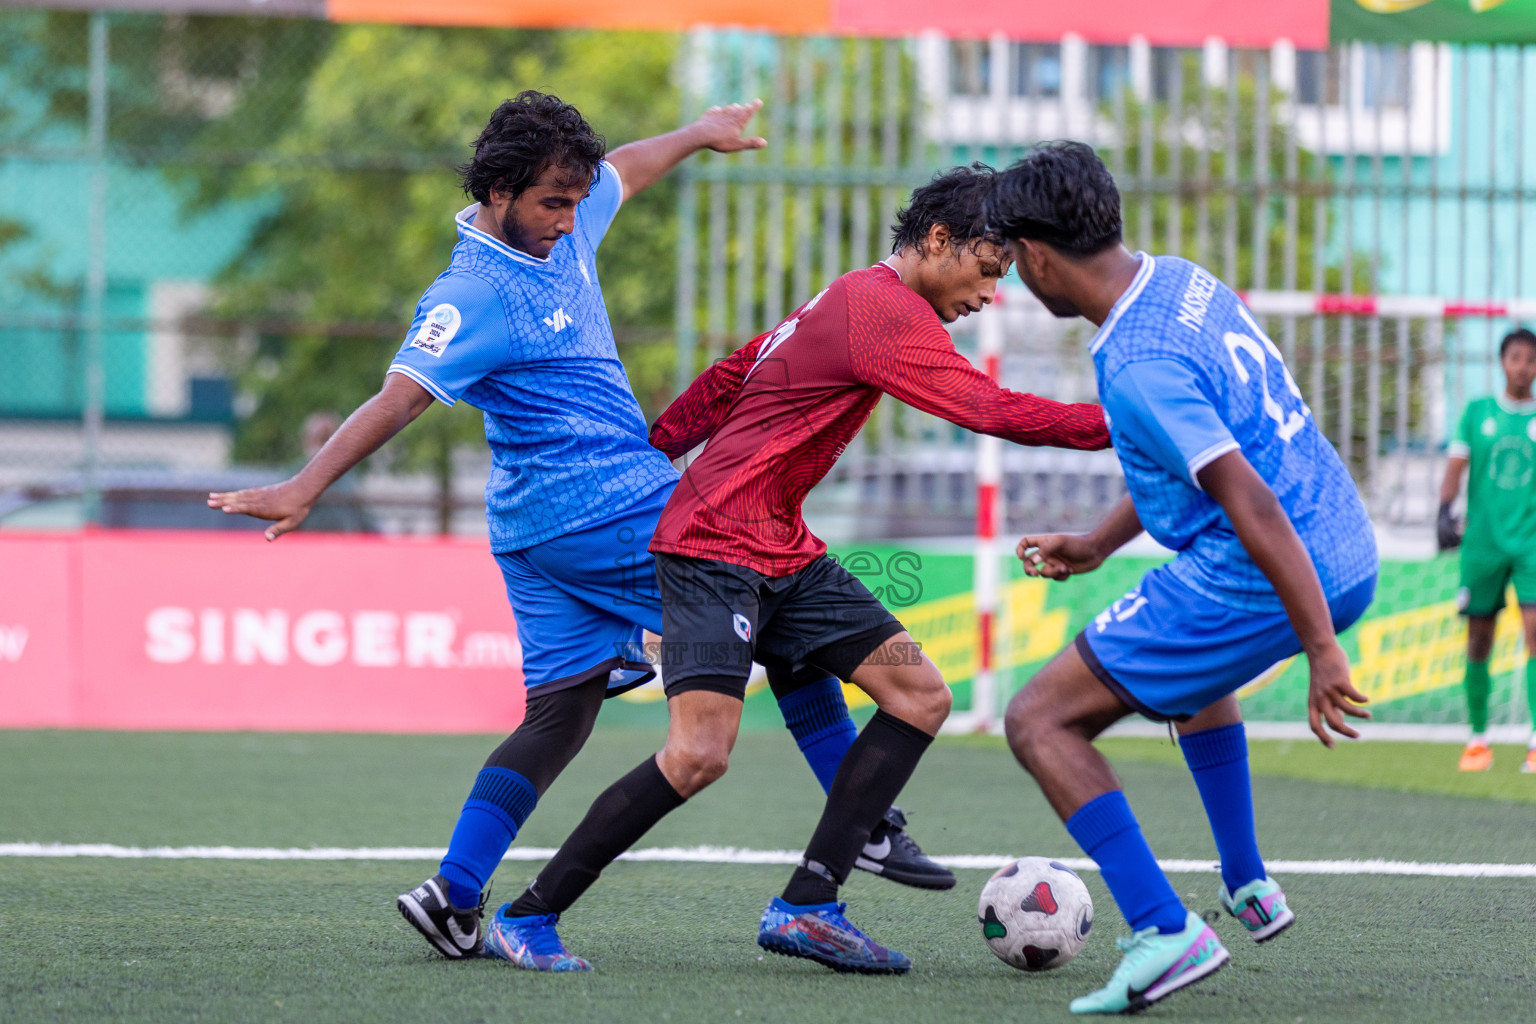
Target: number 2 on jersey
{"type": "Point", "coordinates": [1289, 423]}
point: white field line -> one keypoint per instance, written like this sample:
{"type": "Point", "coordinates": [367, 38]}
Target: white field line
{"type": "Point", "coordinates": [729, 855]}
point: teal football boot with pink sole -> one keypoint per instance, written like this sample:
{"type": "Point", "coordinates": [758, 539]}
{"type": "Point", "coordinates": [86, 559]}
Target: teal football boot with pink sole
{"type": "Point", "coordinates": [1155, 966]}
{"type": "Point", "coordinates": [1261, 907]}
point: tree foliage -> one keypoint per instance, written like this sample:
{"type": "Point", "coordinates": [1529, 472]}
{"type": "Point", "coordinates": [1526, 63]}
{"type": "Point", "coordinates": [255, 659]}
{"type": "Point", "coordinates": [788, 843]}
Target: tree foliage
{"type": "Point", "coordinates": [345, 140]}
{"type": "Point", "coordinates": [361, 193]}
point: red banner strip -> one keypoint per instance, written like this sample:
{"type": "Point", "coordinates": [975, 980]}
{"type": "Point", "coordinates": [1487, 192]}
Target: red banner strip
{"type": "Point", "coordinates": [1167, 23]}
{"type": "Point", "coordinates": [149, 630]}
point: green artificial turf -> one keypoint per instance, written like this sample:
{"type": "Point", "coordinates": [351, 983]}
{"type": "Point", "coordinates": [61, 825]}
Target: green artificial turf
{"type": "Point", "coordinates": [145, 940]}
{"type": "Point", "coordinates": [1381, 764]}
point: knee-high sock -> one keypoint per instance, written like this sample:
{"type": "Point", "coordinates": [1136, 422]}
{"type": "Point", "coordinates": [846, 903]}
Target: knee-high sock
{"type": "Point", "coordinates": [1218, 758]}
{"type": "Point", "coordinates": [1478, 686]}
{"type": "Point", "coordinates": [817, 717]}
{"type": "Point", "coordinates": [878, 764]}
{"type": "Point", "coordinates": [499, 803]}
{"type": "Point", "coordinates": [516, 774]}
{"type": "Point", "coordinates": [619, 816]}
{"type": "Point", "coordinates": [1108, 832]}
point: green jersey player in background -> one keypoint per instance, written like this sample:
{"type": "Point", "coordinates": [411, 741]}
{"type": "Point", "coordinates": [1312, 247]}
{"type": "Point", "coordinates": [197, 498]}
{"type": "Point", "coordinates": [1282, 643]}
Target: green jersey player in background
{"type": "Point", "coordinates": [1496, 440]}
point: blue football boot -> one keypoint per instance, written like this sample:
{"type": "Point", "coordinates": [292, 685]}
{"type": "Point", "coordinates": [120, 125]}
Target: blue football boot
{"type": "Point", "coordinates": [821, 933]}
{"type": "Point", "coordinates": [530, 943]}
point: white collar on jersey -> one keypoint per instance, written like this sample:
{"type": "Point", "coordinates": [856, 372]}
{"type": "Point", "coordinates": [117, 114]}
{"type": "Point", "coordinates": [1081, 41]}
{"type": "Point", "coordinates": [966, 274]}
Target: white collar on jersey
{"type": "Point", "coordinates": [464, 220]}
{"type": "Point", "coordinates": [1516, 405]}
{"type": "Point", "coordinates": [1130, 295]}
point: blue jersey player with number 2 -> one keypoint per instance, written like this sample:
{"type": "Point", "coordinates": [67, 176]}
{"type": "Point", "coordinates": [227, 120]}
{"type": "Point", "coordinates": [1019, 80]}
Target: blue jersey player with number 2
{"type": "Point", "coordinates": [1226, 466]}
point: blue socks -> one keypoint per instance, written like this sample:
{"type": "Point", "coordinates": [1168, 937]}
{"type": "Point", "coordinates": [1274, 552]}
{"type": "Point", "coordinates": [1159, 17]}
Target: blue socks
{"type": "Point", "coordinates": [1107, 831]}
{"type": "Point", "coordinates": [1219, 760]}
{"type": "Point", "coordinates": [817, 717]}
{"type": "Point", "coordinates": [498, 804]}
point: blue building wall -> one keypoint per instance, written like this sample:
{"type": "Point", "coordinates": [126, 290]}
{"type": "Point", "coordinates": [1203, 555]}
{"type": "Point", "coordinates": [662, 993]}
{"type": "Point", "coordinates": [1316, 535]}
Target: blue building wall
{"type": "Point", "coordinates": [1475, 239]}
{"type": "Point", "coordinates": [150, 238]}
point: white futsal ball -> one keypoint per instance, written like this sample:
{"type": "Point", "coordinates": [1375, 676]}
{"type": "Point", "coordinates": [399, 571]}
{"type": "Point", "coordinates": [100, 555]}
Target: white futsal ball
{"type": "Point", "coordinates": [1035, 913]}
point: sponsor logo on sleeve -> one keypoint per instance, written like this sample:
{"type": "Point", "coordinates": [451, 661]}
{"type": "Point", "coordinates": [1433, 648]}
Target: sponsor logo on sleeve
{"type": "Point", "coordinates": [438, 329]}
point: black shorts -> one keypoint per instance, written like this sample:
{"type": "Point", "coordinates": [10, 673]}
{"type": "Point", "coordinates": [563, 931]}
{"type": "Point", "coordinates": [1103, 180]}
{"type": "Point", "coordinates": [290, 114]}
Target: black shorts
{"type": "Point", "coordinates": [717, 618]}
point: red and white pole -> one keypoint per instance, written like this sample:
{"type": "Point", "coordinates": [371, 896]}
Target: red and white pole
{"type": "Point", "coordinates": [989, 476]}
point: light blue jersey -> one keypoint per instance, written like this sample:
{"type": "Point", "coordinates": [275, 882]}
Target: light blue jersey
{"type": "Point", "coordinates": [527, 341]}
{"type": "Point", "coordinates": [1185, 376]}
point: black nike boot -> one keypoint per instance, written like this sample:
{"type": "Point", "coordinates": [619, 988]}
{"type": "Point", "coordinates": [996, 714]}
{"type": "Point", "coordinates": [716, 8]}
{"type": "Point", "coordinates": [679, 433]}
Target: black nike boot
{"type": "Point", "coordinates": [891, 853]}
{"type": "Point", "coordinates": [454, 931]}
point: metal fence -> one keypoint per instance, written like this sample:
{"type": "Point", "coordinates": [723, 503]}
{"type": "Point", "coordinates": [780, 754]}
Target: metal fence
{"type": "Point", "coordinates": [1369, 200]}
{"type": "Point", "coordinates": [212, 231]}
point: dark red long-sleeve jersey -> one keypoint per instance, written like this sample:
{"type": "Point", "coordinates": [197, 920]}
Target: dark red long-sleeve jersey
{"type": "Point", "coordinates": [780, 410]}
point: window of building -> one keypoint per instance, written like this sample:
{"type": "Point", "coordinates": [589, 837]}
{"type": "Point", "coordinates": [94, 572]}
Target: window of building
{"type": "Point", "coordinates": [1360, 96]}
{"type": "Point", "coordinates": [1382, 79]}
{"type": "Point", "coordinates": [1317, 77]}
{"type": "Point", "coordinates": [1035, 70]}
{"type": "Point", "coordinates": [970, 67]}
{"type": "Point", "coordinates": [1168, 67]}
{"type": "Point", "coordinates": [1109, 72]}
{"type": "Point", "coordinates": [1385, 74]}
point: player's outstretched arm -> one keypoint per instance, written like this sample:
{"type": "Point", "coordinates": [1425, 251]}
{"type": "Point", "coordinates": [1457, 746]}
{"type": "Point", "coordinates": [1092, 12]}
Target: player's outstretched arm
{"type": "Point", "coordinates": [377, 420]}
{"type": "Point", "coordinates": [1056, 556]}
{"type": "Point", "coordinates": [642, 163]}
{"type": "Point", "coordinates": [916, 362]}
{"type": "Point", "coordinates": [1271, 541]}
{"type": "Point", "coordinates": [956, 391]}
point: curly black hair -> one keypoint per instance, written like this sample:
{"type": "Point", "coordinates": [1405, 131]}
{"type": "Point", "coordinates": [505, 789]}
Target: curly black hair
{"type": "Point", "coordinates": [526, 135]}
{"type": "Point", "coordinates": [1061, 194]}
{"type": "Point", "coordinates": [953, 198]}
{"type": "Point", "coordinates": [1518, 336]}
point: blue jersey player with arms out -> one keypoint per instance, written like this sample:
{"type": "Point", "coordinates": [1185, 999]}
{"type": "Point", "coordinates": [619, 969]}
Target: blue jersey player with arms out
{"type": "Point", "coordinates": [516, 326]}
{"type": "Point", "coordinates": [1275, 555]}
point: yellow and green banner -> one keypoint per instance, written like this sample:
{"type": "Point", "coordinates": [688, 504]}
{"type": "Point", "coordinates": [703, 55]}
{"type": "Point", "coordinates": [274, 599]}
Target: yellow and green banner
{"type": "Point", "coordinates": [1408, 652]}
{"type": "Point", "coordinates": [1441, 21]}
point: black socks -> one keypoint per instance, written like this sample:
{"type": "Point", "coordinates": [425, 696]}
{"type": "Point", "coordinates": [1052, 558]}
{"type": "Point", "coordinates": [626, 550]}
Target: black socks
{"type": "Point", "coordinates": [873, 772]}
{"type": "Point", "coordinates": [620, 815]}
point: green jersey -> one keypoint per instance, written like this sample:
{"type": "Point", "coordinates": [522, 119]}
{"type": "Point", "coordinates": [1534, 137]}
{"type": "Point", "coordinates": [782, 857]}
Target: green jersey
{"type": "Point", "coordinates": [1497, 435]}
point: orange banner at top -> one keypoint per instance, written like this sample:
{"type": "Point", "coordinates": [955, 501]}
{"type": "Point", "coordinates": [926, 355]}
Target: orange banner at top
{"type": "Point", "coordinates": [797, 16]}
{"type": "Point", "coordinates": [1161, 23]}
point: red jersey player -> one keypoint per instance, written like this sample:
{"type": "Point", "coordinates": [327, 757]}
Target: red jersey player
{"type": "Point", "coordinates": [743, 579]}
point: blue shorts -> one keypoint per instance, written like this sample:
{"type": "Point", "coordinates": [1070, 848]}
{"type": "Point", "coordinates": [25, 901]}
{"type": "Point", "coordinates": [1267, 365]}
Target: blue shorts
{"type": "Point", "coordinates": [582, 599]}
{"type": "Point", "coordinates": [1170, 652]}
